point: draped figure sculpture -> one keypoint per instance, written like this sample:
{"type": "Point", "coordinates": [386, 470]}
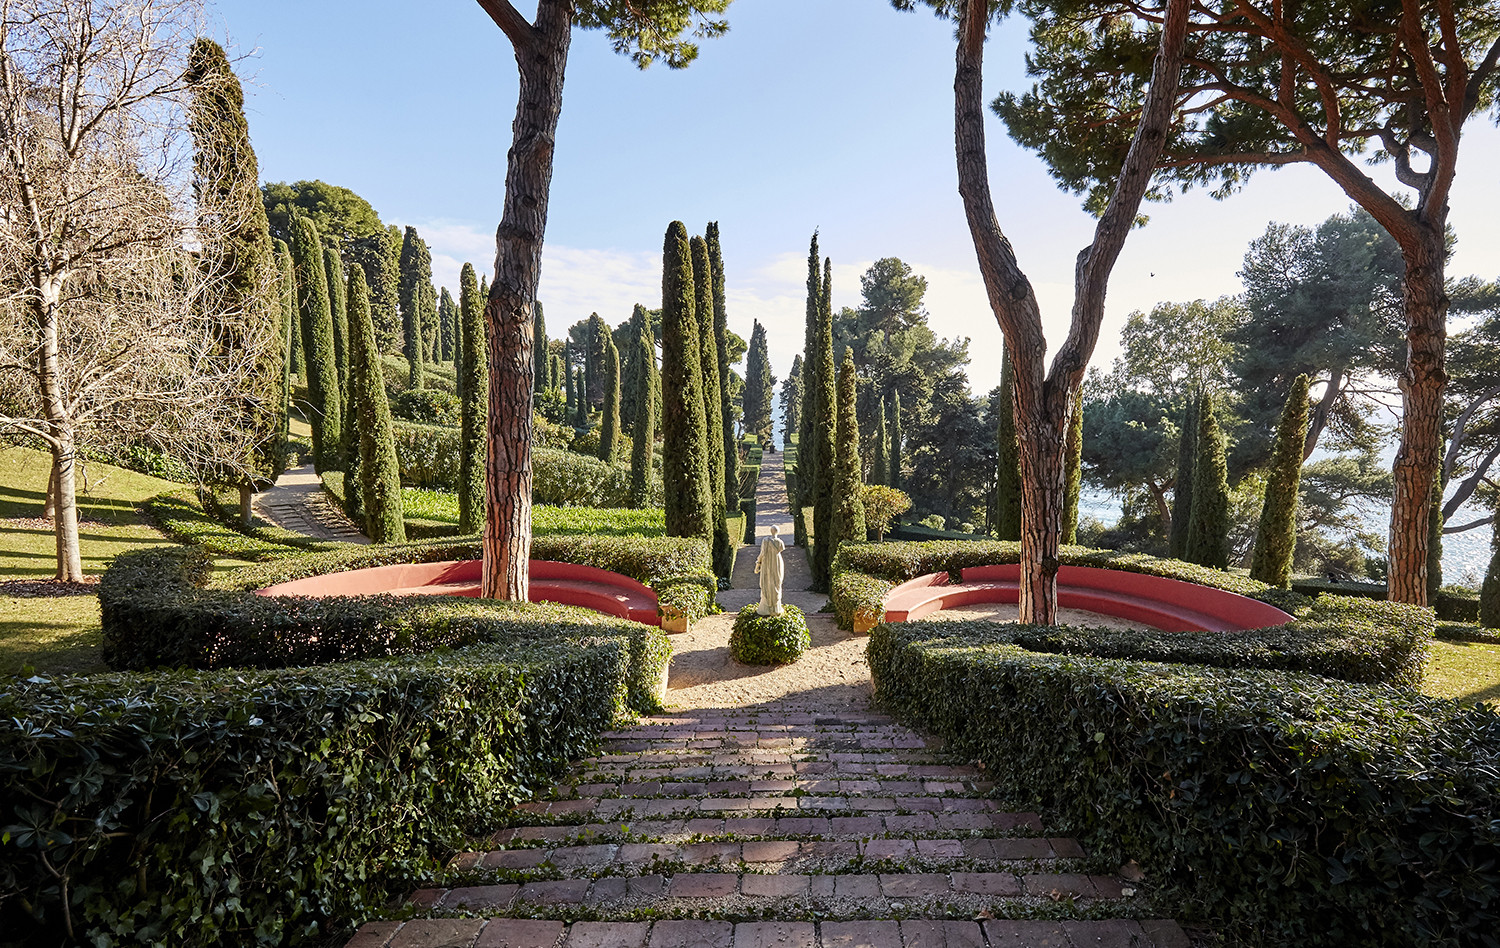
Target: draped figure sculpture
{"type": "Point", "coordinates": [768, 565]}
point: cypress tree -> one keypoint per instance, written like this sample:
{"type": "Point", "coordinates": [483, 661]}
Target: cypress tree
{"type": "Point", "coordinates": [880, 462]}
{"type": "Point", "coordinates": [298, 355]}
{"type": "Point", "coordinates": [379, 472]}
{"type": "Point", "coordinates": [476, 386]}
{"type": "Point", "coordinates": [1208, 525]}
{"type": "Point", "coordinates": [539, 350]}
{"type": "Point", "coordinates": [641, 450]}
{"type": "Point", "coordinates": [848, 521]}
{"type": "Point", "coordinates": [317, 329]}
{"type": "Point", "coordinates": [1276, 538]}
{"type": "Point", "coordinates": [241, 262]}
{"type": "Point", "coordinates": [555, 372]}
{"type": "Point", "coordinates": [807, 453]}
{"type": "Point", "coordinates": [630, 365]}
{"type": "Point", "coordinates": [685, 477]}
{"type": "Point", "coordinates": [824, 431]}
{"type": "Point", "coordinates": [756, 400]}
{"type": "Point", "coordinates": [721, 337]}
{"type": "Point", "coordinates": [571, 398]}
{"type": "Point", "coordinates": [1073, 469]}
{"type": "Point", "coordinates": [791, 401]}
{"type": "Point", "coordinates": [379, 255]}
{"type": "Point", "coordinates": [609, 426]}
{"type": "Point", "coordinates": [1489, 591]}
{"type": "Point", "coordinates": [1182, 483]}
{"type": "Point", "coordinates": [447, 312]}
{"type": "Point", "coordinates": [338, 308]}
{"type": "Point", "coordinates": [1435, 540]}
{"type": "Point", "coordinates": [286, 284]}
{"type": "Point", "coordinates": [581, 390]}
{"type": "Point", "coordinates": [597, 339]}
{"type": "Point", "coordinates": [1007, 458]}
{"type": "Point", "coordinates": [894, 478]}
{"type": "Point", "coordinates": [416, 288]}
{"type": "Point", "coordinates": [713, 402]}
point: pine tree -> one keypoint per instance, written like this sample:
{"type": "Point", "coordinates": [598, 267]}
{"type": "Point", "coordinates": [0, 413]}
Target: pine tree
{"type": "Point", "coordinates": [721, 337]}
{"type": "Point", "coordinates": [379, 472]}
{"type": "Point", "coordinates": [1007, 458]}
{"type": "Point", "coordinates": [1208, 525]}
{"type": "Point", "coordinates": [476, 401]}
{"type": "Point", "coordinates": [1182, 484]}
{"type": "Point", "coordinates": [1276, 538]}
{"type": "Point", "coordinates": [897, 441]}
{"type": "Point", "coordinates": [824, 431]}
{"type": "Point", "coordinates": [338, 308]}
{"type": "Point", "coordinates": [848, 520]}
{"type": "Point", "coordinates": [317, 329]}
{"type": "Point", "coordinates": [642, 447]}
{"type": "Point", "coordinates": [880, 461]}
{"type": "Point", "coordinates": [539, 351]}
{"type": "Point", "coordinates": [1073, 470]}
{"type": "Point", "coordinates": [609, 425]}
{"type": "Point", "coordinates": [685, 475]}
{"type": "Point", "coordinates": [241, 263]}
{"type": "Point", "coordinates": [759, 383]}
{"type": "Point", "coordinates": [416, 288]}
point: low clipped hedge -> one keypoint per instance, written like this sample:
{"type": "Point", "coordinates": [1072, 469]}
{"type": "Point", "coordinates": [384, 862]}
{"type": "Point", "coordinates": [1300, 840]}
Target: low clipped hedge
{"type": "Point", "coordinates": [246, 807]}
{"type": "Point", "coordinates": [180, 516]}
{"type": "Point", "coordinates": [1283, 807]}
{"type": "Point", "coordinates": [747, 507]}
{"type": "Point", "coordinates": [769, 640]}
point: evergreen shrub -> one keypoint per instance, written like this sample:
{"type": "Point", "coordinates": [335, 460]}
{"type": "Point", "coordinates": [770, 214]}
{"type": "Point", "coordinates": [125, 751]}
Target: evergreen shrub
{"type": "Point", "coordinates": [428, 406]}
{"type": "Point", "coordinates": [769, 640]}
{"type": "Point", "coordinates": [1291, 809]}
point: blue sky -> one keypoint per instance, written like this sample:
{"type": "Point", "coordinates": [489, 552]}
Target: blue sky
{"type": "Point", "coordinates": [827, 114]}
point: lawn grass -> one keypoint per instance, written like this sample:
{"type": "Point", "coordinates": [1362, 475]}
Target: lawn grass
{"type": "Point", "coordinates": [442, 507]}
{"type": "Point", "coordinates": [61, 634]}
{"type": "Point", "coordinates": [1465, 671]}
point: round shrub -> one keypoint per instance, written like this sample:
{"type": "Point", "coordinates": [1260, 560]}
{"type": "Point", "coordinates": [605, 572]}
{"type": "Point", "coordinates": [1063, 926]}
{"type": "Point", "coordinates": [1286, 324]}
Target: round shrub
{"type": "Point", "coordinates": [428, 406]}
{"type": "Point", "coordinates": [769, 640]}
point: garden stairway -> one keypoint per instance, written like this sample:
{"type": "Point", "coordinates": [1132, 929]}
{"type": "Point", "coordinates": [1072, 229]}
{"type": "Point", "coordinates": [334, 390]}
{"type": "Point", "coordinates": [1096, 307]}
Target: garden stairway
{"type": "Point", "coordinates": [776, 826]}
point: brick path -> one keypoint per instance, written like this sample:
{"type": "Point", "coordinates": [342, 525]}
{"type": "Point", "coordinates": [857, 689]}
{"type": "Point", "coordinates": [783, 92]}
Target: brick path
{"type": "Point", "coordinates": [793, 823]}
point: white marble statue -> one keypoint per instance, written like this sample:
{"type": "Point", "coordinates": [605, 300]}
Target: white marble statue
{"type": "Point", "coordinates": [768, 565]}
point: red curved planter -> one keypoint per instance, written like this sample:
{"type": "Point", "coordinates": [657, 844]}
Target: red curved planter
{"type": "Point", "coordinates": [1167, 604]}
{"type": "Point", "coordinates": [568, 584]}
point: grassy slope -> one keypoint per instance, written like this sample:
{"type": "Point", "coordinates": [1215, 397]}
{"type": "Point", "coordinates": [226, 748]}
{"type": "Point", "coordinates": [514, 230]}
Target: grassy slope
{"type": "Point", "coordinates": [62, 634]}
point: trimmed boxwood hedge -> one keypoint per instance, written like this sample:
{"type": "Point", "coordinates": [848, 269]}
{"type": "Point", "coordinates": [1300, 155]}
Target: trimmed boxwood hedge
{"type": "Point", "coordinates": [1286, 808]}
{"type": "Point", "coordinates": [769, 640]}
{"type": "Point", "coordinates": [245, 807]}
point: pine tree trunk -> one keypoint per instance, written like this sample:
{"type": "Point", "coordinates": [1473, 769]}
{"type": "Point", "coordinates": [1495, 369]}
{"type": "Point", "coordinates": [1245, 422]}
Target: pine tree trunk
{"type": "Point", "coordinates": [541, 61]}
{"type": "Point", "coordinates": [1422, 381]}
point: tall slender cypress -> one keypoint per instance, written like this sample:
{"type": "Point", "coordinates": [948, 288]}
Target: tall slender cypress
{"type": "Point", "coordinates": [685, 476]}
{"type": "Point", "coordinates": [896, 443]}
{"type": "Point", "coordinates": [642, 447]}
{"type": "Point", "coordinates": [570, 401]}
{"type": "Point", "coordinates": [476, 401]}
{"type": "Point", "coordinates": [447, 313]}
{"type": "Point", "coordinates": [848, 521]}
{"type": "Point", "coordinates": [721, 336]}
{"type": "Point", "coordinates": [1276, 537]}
{"type": "Point", "coordinates": [379, 471]}
{"type": "Point", "coordinates": [791, 401]}
{"type": "Point", "coordinates": [240, 261]}
{"type": "Point", "coordinates": [629, 365]}
{"type": "Point", "coordinates": [1489, 591]}
{"type": "Point", "coordinates": [317, 329]}
{"type": "Point", "coordinates": [1073, 468]}
{"type": "Point", "coordinates": [380, 255]}
{"type": "Point", "coordinates": [539, 350]}
{"type": "Point", "coordinates": [581, 390]}
{"type": "Point", "coordinates": [609, 425]}
{"type": "Point", "coordinates": [807, 453]}
{"type": "Point", "coordinates": [824, 430]}
{"type": "Point", "coordinates": [298, 354]}
{"type": "Point", "coordinates": [1182, 483]}
{"type": "Point", "coordinates": [286, 284]}
{"type": "Point", "coordinates": [713, 402]}
{"type": "Point", "coordinates": [1208, 525]}
{"type": "Point", "coordinates": [755, 402]}
{"type": "Point", "coordinates": [1007, 457]}
{"type": "Point", "coordinates": [338, 308]}
{"type": "Point", "coordinates": [416, 288]}
{"type": "Point", "coordinates": [880, 462]}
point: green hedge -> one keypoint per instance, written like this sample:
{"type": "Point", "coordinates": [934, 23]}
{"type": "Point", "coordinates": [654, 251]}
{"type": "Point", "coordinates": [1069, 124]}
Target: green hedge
{"type": "Point", "coordinates": [747, 507]}
{"type": "Point", "coordinates": [1285, 808]}
{"type": "Point", "coordinates": [275, 807]}
{"type": "Point", "coordinates": [769, 640]}
{"type": "Point", "coordinates": [440, 509]}
{"type": "Point", "coordinates": [180, 516]}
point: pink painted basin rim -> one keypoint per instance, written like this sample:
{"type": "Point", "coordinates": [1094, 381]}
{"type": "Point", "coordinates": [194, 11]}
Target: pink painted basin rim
{"type": "Point", "coordinates": [563, 583]}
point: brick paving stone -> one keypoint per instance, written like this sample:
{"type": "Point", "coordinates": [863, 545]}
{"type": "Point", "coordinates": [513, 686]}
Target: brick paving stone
{"type": "Point", "coordinates": [705, 854]}
{"type": "Point", "coordinates": [1107, 887]}
{"type": "Point", "coordinates": [822, 886]}
{"type": "Point", "coordinates": [862, 934]}
{"type": "Point", "coordinates": [769, 886]}
{"type": "Point", "coordinates": [1011, 933]}
{"type": "Point", "coordinates": [1022, 847]}
{"type": "Point", "coordinates": [373, 935]}
{"type": "Point", "coordinates": [646, 886]}
{"type": "Point", "coordinates": [774, 850]}
{"type": "Point", "coordinates": [576, 856]}
{"type": "Point", "coordinates": [856, 887]}
{"type": "Point", "coordinates": [1165, 933]}
{"type": "Point", "coordinates": [520, 933]}
{"type": "Point", "coordinates": [830, 849]}
{"type": "Point", "coordinates": [914, 885]}
{"type": "Point", "coordinates": [1066, 848]}
{"type": "Point", "coordinates": [438, 933]}
{"type": "Point", "coordinates": [1061, 884]}
{"type": "Point", "coordinates": [703, 885]}
{"type": "Point", "coordinates": [608, 889]}
{"type": "Point", "coordinates": [802, 826]}
{"type": "Point", "coordinates": [889, 849]}
{"type": "Point", "coordinates": [480, 897]}
{"type": "Point", "coordinates": [1111, 933]}
{"type": "Point", "coordinates": [987, 883]}
{"type": "Point", "coordinates": [750, 826]}
{"type": "Point", "coordinates": [704, 826]}
{"type": "Point", "coordinates": [644, 852]}
{"type": "Point", "coordinates": [856, 825]}
{"type": "Point", "coordinates": [775, 935]}
{"type": "Point", "coordinates": [608, 934]}
{"type": "Point", "coordinates": [939, 849]}
{"type": "Point", "coordinates": [691, 934]}
{"type": "Point", "coordinates": [426, 898]}
{"type": "Point", "coordinates": [924, 934]}
{"type": "Point", "coordinates": [554, 892]}
{"type": "Point", "coordinates": [514, 859]}
{"type": "Point", "coordinates": [911, 823]}
{"type": "Point", "coordinates": [1010, 821]}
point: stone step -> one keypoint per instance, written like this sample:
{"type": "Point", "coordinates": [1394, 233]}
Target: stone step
{"type": "Point", "coordinates": [860, 785]}
{"type": "Point", "coordinates": [704, 933]}
{"type": "Point", "coordinates": [611, 809]}
{"type": "Point", "coordinates": [778, 855]}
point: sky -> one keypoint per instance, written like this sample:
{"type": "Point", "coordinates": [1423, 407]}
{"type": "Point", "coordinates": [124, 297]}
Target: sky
{"type": "Point", "coordinates": [826, 115]}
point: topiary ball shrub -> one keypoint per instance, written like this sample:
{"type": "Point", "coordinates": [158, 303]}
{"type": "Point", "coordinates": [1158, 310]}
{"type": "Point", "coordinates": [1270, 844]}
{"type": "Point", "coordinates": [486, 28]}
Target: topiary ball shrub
{"type": "Point", "coordinates": [769, 640]}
